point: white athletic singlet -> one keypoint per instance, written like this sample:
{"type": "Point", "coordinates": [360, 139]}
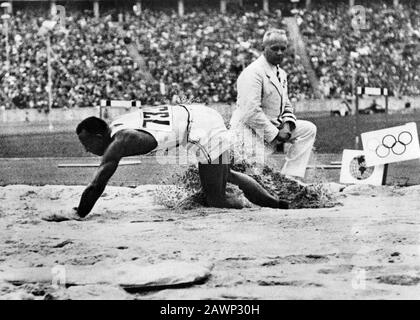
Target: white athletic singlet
{"type": "Point", "coordinates": [167, 124]}
{"type": "Point", "coordinates": [172, 126]}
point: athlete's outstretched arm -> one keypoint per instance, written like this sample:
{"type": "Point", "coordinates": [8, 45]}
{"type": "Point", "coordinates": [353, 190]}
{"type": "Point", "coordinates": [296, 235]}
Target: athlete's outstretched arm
{"type": "Point", "coordinates": [94, 190]}
{"type": "Point", "coordinates": [126, 143]}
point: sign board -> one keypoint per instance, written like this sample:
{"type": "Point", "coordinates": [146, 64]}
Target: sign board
{"type": "Point", "coordinates": [355, 170]}
{"type": "Point", "coordinates": [390, 145]}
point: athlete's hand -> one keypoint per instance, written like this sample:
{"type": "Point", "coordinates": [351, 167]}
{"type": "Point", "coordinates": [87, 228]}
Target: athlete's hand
{"type": "Point", "coordinates": [62, 216]}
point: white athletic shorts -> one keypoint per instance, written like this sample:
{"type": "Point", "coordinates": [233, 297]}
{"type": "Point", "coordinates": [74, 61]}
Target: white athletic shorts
{"type": "Point", "coordinates": [208, 136]}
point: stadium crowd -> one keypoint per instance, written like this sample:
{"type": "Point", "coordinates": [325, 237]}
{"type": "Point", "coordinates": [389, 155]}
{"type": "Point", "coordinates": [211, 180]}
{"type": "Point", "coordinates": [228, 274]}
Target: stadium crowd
{"type": "Point", "coordinates": [194, 58]}
{"type": "Point", "coordinates": [198, 57]}
{"type": "Point", "coordinates": [385, 54]}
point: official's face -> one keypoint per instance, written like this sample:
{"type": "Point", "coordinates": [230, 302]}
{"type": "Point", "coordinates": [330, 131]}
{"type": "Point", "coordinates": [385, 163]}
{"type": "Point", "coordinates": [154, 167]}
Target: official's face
{"type": "Point", "coordinates": [275, 49]}
{"type": "Point", "coordinates": [93, 143]}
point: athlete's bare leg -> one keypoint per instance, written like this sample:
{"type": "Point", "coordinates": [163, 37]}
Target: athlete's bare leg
{"type": "Point", "coordinates": [214, 178]}
{"type": "Point", "coordinates": [255, 192]}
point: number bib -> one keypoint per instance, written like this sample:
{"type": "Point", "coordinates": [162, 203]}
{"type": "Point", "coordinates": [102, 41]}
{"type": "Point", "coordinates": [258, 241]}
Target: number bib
{"type": "Point", "coordinates": [167, 124]}
{"type": "Point", "coordinates": [157, 118]}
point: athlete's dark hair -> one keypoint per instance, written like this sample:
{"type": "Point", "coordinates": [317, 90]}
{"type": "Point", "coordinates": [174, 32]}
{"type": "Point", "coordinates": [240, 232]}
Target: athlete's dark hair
{"type": "Point", "coordinates": [92, 125]}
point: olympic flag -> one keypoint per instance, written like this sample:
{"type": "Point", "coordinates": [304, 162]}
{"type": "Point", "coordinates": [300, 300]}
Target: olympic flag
{"type": "Point", "coordinates": [390, 145]}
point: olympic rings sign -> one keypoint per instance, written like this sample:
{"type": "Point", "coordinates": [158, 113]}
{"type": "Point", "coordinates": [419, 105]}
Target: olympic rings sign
{"type": "Point", "coordinates": [396, 145]}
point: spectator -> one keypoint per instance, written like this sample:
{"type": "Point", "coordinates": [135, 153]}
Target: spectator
{"type": "Point", "coordinates": [383, 55]}
{"type": "Point", "coordinates": [202, 53]}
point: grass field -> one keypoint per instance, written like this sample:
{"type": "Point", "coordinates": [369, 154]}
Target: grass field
{"type": "Point", "coordinates": [334, 135]}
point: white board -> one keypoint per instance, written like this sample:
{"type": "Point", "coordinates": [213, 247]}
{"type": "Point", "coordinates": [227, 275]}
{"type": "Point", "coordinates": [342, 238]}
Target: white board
{"type": "Point", "coordinates": [120, 103]}
{"type": "Point", "coordinates": [390, 145]}
{"type": "Point", "coordinates": [94, 165]}
{"type": "Point", "coordinates": [372, 91]}
{"type": "Point", "coordinates": [355, 170]}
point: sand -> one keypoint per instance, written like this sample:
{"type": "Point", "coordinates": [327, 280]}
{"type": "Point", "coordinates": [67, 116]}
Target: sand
{"type": "Point", "coordinates": [367, 248]}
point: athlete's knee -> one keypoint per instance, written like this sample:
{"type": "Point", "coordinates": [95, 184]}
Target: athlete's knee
{"type": "Point", "coordinates": [216, 201]}
{"type": "Point", "coordinates": [282, 204]}
{"type": "Point", "coordinates": [224, 202]}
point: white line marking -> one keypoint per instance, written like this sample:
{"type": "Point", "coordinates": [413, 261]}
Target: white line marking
{"type": "Point", "coordinates": [83, 165]}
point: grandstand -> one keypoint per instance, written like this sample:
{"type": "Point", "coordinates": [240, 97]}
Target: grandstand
{"type": "Point", "coordinates": [186, 50]}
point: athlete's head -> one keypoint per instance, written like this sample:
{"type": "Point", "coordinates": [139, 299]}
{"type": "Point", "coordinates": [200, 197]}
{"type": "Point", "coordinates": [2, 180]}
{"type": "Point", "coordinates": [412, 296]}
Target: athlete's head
{"type": "Point", "coordinates": [94, 135]}
{"type": "Point", "coordinates": [275, 45]}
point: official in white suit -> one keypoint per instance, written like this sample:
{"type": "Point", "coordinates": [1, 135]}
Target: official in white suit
{"type": "Point", "coordinates": [263, 105]}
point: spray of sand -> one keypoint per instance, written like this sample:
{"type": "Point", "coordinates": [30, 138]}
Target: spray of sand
{"type": "Point", "coordinates": [251, 156]}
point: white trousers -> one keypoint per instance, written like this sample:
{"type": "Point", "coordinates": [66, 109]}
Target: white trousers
{"type": "Point", "coordinates": [298, 151]}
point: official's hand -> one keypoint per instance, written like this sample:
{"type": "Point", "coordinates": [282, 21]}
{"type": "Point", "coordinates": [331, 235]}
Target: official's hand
{"type": "Point", "coordinates": [62, 216]}
{"type": "Point", "coordinates": [285, 132]}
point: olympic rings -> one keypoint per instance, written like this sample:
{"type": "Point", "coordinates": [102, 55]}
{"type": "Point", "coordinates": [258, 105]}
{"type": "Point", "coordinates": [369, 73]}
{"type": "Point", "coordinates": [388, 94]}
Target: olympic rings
{"type": "Point", "coordinates": [405, 137]}
{"type": "Point", "coordinates": [397, 146]}
{"type": "Point", "coordinates": [382, 151]}
{"type": "Point", "coordinates": [399, 149]}
{"type": "Point", "coordinates": [389, 141]}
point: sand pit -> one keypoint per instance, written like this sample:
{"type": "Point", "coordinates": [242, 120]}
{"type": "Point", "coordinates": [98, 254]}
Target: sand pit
{"type": "Point", "coordinates": [368, 248]}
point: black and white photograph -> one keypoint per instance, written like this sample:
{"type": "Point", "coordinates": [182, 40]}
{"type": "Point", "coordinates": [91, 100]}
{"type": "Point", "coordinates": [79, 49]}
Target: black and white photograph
{"type": "Point", "coordinates": [209, 150]}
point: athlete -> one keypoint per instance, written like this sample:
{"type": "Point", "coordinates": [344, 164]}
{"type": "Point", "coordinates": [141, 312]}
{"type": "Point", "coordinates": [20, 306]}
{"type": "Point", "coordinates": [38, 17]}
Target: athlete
{"type": "Point", "coordinates": [165, 127]}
